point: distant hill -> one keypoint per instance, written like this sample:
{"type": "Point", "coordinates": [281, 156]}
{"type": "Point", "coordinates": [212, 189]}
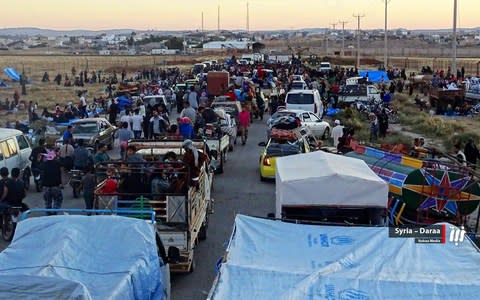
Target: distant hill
{"type": "Point", "coordinates": [32, 31]}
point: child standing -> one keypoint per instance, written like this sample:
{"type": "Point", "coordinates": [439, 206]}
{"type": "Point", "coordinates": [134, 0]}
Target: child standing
{"type": "Point", "coordinates": [244, 122]}
{"type": "Point", "coordinates": [88, 183]}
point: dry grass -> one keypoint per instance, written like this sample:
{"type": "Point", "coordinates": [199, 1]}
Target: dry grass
{"type": "Point", "coordinates": [48, 94]}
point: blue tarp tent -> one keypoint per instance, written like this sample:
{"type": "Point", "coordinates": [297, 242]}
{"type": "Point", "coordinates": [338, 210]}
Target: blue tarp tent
{"type": "Point", "coordinates": [269, 259]}
{"type": "Point", "coordinates": [375, 76]}
{"type": "Point", "coordinates": [124, 101]}
{"type": "Point", "coordinates": [12, 74]}
{"type": "Point", "coordinates": [3, 83]}
{"type": "Point", "coordinates": [91, 257]}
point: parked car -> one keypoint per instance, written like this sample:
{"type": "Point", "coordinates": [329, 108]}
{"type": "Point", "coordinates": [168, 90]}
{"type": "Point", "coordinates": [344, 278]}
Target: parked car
{"type": "Point", "coordinates": [93, 131]}
{"type": "Point", "coordinates": [317, 126]}
{"type": "Point", "coordinates": [308, 100]}
{"type": "Point", "coordinates": [294, 143]}
{"type": "Point", "coordinates": [155, 100]}
{"type": "Point", "coordinates": [325, 66]}
{"type": "Point", "coordinates": [15, 151]}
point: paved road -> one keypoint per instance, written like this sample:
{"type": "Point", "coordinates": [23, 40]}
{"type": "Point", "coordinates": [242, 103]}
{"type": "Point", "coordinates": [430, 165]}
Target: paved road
{"type": "Point", "coordinates": [238, 190]}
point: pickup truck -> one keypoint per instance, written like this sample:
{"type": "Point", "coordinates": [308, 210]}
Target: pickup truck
{"type": "Point", "coordinates": [181, 207]}
{"type": "Point", "coordinates": [359, 92]}
{"type": "Point", "coordinates": [85, 257]}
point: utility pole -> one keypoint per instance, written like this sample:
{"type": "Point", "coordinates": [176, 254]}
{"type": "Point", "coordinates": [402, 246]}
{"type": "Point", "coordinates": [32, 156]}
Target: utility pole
{"type": "Point", "coordinates": [326, 41]}
{"type": "Point", "coordinates": [218, 18]}
{"type": "Point", "coordinates": [334, 27]}
{"type": "Point", "coordinates": [385, 50]}
{"type": "Point", "coordinates": [343, 36]}
{"type": "Point", "coordinates": [248, 19]}
{"type": "Point", "coordinates": [358, 38]}
{"type": "Point", "coordinates": [454, 39]}
{"type": "Point", "coordinates": [202, 22]}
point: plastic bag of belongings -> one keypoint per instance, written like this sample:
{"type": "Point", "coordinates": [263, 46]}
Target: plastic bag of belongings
{"type": "Point", "coordinates": [286, 123]}
{"type": "Point", "coordinates": [282, 134]}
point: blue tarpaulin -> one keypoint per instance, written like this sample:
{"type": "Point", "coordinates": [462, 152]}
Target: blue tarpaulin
{"type": "Point", "coordinates": [375, 75]}
{"type": "Point", "coordinates": [268, 259]}
{"type": "Point", "coordinates": [90, 257]}
{"type": "Point", "coordinates": [12, 74]}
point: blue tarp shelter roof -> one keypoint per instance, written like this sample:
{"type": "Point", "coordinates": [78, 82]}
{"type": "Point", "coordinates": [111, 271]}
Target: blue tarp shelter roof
{"type": "Point", "coordinates": [270, 259]}
{"type": "Point", "coordinates": [92, 257]}
{"type": "Point", "coordinates": [375, 76]}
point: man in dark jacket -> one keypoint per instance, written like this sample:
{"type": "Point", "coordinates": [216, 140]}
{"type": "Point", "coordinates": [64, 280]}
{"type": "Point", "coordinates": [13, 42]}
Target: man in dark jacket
{"type": "Point", "coordinates": [52, 181]}
{"type": "Point", "coordinates": [8, 197]}
{"type": "Point", "coordinates": [471, 153]}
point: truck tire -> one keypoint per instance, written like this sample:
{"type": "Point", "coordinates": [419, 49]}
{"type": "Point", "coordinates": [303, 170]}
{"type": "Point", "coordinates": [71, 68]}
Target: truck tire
{"type": "Point", "coordinates": [202, 234]}
{"type": "Point", "coordinates": [220, 168]}
{"type": "Point", "coordinates": [193, 265]}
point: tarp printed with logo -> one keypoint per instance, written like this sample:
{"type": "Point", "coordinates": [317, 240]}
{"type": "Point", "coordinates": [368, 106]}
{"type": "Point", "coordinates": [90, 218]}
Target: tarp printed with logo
{"type": "Point", "coordinates": [270, 259]}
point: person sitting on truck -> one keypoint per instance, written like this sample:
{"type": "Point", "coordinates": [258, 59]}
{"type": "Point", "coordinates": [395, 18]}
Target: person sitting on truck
{"type": "Point", "coordinates": [208, 115]}
{"type": "Point", "coordinates": [194, 160]}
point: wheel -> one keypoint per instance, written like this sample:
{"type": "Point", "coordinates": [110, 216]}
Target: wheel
{"type": "Point", "coordinates": [202, 234]}
{"type": "Point", "coordinates": [192, 265]}
{"type": "Point", "coordinates": [8, 227]}
{"type": "Point", "coordinates": [326, 133]}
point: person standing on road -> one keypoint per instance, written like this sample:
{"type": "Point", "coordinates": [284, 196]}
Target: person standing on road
{"type": "Point", "coordinates": [373, 127]}
{"type": "Point", "coordinates": [156, 127]}
{"type": "Point", "coordinates": [89, 184]}
{"type": "Point", "coordinates": [112, 112]}
{"type": "Point", "coordinates": [101, 155]}
{"type": "Point", "coordinates": [337, 132]}
{"type": "Point", "coordinates": [82, 106]}
{"type": "Point", "coordinates": [52, 181]}
{"type": "Point", "coordinates": [123, 135]}
{"type": "Point", "coordinates": [82, 159]}
{"type": "Point", "coordinates": [244, 121]}
{"type": "Point", "coordinates": [192, 98]}
{"type": "Point", "coordinates": [137, 122]}
{"type": "Point", "coordinates": [68, 135]}
{"type": "Point", "coordinates": [19, 189]}
{"type": "Point", "coordinates": [188, 112]}
{"type": "Point", "coordinates": [66, 155]}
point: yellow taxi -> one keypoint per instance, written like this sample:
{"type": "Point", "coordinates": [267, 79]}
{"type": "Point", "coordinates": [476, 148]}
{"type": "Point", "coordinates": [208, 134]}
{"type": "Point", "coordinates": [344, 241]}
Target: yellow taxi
{"type": "Point", "coordinates": [281, 143]}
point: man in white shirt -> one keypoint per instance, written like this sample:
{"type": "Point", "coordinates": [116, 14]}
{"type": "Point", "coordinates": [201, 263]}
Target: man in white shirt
{"type": "Point", "coordinates": [127, 118]}
{"type": "Point", "coordinates": [137, 121]}
{"type": "Point", "coordinates": [337, 132]}
{"type": "Point", "coordinates": [82, 107]}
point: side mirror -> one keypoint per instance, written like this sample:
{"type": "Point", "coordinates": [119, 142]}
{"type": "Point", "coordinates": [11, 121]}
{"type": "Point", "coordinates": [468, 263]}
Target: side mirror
{"type": "Point", "coordinates": [262, 144]}
{"type": "Point", "coordinates": [173, 255]}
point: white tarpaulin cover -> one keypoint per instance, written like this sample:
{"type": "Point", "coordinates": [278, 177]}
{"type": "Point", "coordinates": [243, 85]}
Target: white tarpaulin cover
{"type": "Point", "coordinates": [82, 257]}
{"type": "Point", "coordinates": [277, 260]}
{"type": "Point", "coordinates": [324, 179]}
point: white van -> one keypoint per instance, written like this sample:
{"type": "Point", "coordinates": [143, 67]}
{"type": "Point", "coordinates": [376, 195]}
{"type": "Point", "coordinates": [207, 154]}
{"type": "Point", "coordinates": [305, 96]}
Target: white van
{"type": "Point", "coordinates": [15, 151]}
{"type": "Point", "coordinates": [308, 100]}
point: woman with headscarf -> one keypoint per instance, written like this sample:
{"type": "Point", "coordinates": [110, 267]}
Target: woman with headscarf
{"type": "Point", "coordinates": [194, 160]}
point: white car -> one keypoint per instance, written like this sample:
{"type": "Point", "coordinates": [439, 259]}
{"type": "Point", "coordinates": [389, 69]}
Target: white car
{"type": "Point", "coordinates": [298, 85]}
{"type": "Point", "coordinates": [317, 126]}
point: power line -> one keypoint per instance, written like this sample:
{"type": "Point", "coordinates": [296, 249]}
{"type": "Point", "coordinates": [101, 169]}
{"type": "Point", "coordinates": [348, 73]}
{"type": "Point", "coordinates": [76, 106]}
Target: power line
{"type": "Point", "coordinates": [343, 36]}
{"type": "Point", "coordinates": [358, 16]}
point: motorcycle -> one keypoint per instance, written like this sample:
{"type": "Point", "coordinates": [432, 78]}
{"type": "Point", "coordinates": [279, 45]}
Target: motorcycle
{"type": "Point", "coordinates": [9, 220]}
{"type": "Point", "coordinates": [76, 182]}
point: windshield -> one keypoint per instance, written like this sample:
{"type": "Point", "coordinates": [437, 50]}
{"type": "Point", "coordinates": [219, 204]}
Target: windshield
{"type": "Point", "coordinates": [85, 128]}
{"type": "Point", "coordinates": [300, 98]}
{"type": "Point", "coordinates": [297, 86]}
{"type": "Point", "coordinates": [283, 148]}
{"type": "Point", "coordinates": [324, 65]}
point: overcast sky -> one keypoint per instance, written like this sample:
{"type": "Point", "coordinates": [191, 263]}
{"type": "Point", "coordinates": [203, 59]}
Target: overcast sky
{"type": "Point", "coordinates": [264, 14]}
